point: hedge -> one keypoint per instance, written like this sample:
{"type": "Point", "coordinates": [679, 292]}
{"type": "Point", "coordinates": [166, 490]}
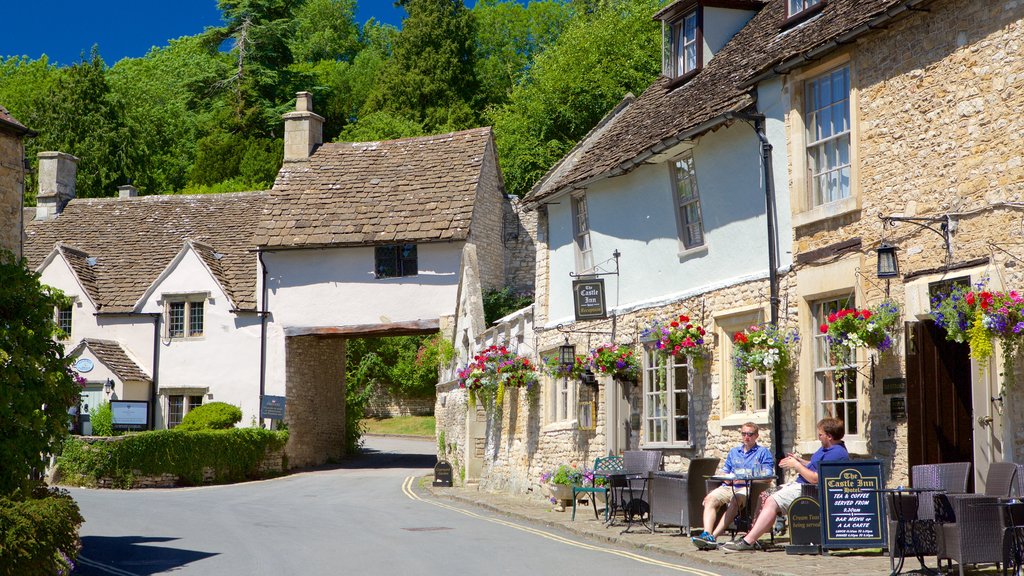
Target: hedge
{"type": "Point", "coordinates": [212, 416]}
{"type": "Point", "coordinates": [39, 535]}
{"type": "Point", "coordinates": [233, 455]}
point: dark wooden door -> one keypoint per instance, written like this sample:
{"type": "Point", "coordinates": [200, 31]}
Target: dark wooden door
{"type": "Point", "coordinates": [939, 426]}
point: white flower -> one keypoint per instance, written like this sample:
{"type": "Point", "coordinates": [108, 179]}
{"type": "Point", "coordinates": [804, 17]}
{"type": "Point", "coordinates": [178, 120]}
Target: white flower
{"type": "Point", "coordinates": [771, 357]}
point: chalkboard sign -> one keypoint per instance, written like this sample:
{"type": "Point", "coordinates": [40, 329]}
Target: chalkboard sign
{"type": "Point", "coordinates": [804, 526]}
{"type": "Point", "coordinates": [443, 474]}
{"type": "Point", "coordinates": [853, 510]}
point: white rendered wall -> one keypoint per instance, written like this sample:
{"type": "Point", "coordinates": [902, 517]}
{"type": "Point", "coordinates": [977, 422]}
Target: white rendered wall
{"type": "Point", "coordinates": [636, 214]}
{"type": "Point", "coordinates": [720, 25]}
{"type": "Point", "coordinates": [773, 102]}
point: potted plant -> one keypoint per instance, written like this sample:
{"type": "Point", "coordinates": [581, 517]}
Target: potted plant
{"type": "Point", "coordinates": [554, 366]}
{"type": "Point", "coordinates": [763, 348]}
{"type": "Point", "coordinates": [617, 360]}
{"type": "Point", "coordinates": [493, 370]}
{"type": "Point", "coordinates": [558, 483]}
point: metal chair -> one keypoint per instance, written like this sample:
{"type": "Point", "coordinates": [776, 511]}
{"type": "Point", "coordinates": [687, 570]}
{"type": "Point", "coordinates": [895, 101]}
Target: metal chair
{"type": "Point", "coordinates": [608, 464]}
{"type": "Point", "coordinates": [678, 499]}
{"type": "Point", "coordinates": [637, 463]}
{"type": "Point", "coordinates": [971, 526]}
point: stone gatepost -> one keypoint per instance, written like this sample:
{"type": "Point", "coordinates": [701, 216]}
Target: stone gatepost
{"type": "Point", "coordinates": [315, 390]}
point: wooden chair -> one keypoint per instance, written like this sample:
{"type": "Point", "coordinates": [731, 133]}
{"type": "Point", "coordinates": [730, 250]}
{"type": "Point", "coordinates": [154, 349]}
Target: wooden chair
{"type": "Point", "coordinates": [608, 463]}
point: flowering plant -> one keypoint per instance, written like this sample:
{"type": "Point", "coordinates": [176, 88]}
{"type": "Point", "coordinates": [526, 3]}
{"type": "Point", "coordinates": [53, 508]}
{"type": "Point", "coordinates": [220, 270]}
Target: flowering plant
{"type": "Point", "coordinates": [564, 475]}
{"type": "Point", "coordinates": [677, 337]}
{"type": "Point", "coordinates": [978, 316]}
{"type": "Point", "coordinates": [494, 369]}
{"type": "Point", "coordinates": [620, 361]}
{"type": "Point", "coordinates": [553, 365]}
{"type": "Point", "coordinates": [763, 348]}
{"type": "Point", "coordinates": [849, 329]}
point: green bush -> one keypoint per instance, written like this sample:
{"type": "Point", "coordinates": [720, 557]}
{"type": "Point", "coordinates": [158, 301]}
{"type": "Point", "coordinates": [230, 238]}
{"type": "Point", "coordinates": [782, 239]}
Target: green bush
{"type": "Point", "coordinates": [102, 419]}
{"type": "Point", "coordinates": [38, 535]}
{"type": "Point", "coordinates": [212, 416]}
{"type": "Point", "coordinates": [501, 303]}
{"type": "Point", "coordinates": [233, 455]}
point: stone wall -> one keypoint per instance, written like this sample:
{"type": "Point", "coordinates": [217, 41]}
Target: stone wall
{"type": "Point", "coordinates": [520, 239]}
{"type": "Point", "coordinates": [315, 392]}
{"type": "Point", "coordinates": [383, 404]}
{"type": "Point", "coordinates": [12, 182]}
{"type": "Point", "coordinates": [488, 223]}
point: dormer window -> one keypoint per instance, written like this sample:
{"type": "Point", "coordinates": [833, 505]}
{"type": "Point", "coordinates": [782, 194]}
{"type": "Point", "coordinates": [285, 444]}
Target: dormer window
{"type": "Point", "coordinates": [684, 45]}
{"type": "Point", "coordinates": [800, 9]}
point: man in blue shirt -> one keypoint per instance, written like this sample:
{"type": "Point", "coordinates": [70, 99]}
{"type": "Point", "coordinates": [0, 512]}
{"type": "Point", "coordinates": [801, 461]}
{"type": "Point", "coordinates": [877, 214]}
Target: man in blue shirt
{"type": "Point", "coordinates": [830, 434]}
{"type": "Point", "coordinates": [746, 459]}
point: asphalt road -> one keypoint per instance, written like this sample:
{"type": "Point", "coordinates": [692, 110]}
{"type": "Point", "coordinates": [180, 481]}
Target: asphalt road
{"type": "Point", "coordinates": [360, 518]}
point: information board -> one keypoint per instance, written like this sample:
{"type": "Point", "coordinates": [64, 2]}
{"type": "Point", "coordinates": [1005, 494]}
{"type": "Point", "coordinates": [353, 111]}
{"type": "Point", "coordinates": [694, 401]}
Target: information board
{"type": "Point", "coordinates": [272, 407]}
{"type": "Point", "coordinates": [129, 414]}
{"type": "Point", "coordinates": [852, 509]}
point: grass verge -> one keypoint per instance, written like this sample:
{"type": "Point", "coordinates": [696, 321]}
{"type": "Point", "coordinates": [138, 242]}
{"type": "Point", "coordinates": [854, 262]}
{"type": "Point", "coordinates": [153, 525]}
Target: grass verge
{"type": "Point", "coordinates": [403, 425]}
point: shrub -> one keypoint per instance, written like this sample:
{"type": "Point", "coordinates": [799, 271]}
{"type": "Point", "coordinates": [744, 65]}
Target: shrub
{"type": "Point", "coordinates": [212, 416]}
{"type": "Point", "coordinates": [501, 303]}
{"type": "Point", "coordinates": [102, 419]}
{"type": "Point", "coordinates": [233, 455]}
{"type": "Point", "coordinates": [39, 535]}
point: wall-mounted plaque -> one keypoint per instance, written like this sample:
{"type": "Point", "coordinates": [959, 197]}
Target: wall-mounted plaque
{"type": "Point", "coordinates": [272, 407]}
{"type": "Point", "coordinates": [894, 386]}
{"type": "Point", "coordinates": [898, 408]}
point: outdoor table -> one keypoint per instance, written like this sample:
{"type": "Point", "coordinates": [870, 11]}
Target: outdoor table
{"type": "Point", "coordinates": [1013, 534]}
{"type": "Point", "coordinates": [629, 499]}
{"type": "Point", "coordinates": [743, 518]}
{"type": "Point", "coordinates": [898, 554]}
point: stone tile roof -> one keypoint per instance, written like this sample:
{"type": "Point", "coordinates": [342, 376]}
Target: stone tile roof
{"type": "Point", "coordinates": [134, 239]}
{"type": "Point", "coordinates": [655, 121]}
{"type": "Point", "coordinates": [11, 122]}
{"type": "Point", "coordinates": [114, 357]}
{"type": "Point", "coordinates": [79, 263]}
{"type": "Point", "coordinates": [408, 190]}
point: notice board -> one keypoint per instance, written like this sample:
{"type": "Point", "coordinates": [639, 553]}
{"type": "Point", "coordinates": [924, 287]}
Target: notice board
{"type": "Point", "coordinates": [852, 510]}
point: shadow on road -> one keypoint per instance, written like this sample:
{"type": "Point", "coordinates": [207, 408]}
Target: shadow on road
{"type": "Point", "coordinates": [373, 458]}
{"type": "Point", "coordinates": [131, 554]}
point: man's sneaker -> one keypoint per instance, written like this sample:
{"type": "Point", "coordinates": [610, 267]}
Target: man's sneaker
{"type": "Point", "coordinates": [739, 546]}
{"type": "Point", "coordinates": [705, 541]}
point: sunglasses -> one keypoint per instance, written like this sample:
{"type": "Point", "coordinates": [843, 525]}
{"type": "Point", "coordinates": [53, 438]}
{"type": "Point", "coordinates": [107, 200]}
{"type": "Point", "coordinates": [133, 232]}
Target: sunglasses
{"type": "Point", "coordinates": [749, 433]}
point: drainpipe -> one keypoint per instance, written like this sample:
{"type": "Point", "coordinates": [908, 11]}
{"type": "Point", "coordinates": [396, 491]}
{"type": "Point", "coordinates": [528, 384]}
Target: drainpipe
{"type": "Point", "coordinates": [263, 331]}
{"type": "Point", "coordinates": [757, 121]}
{"type": "Point", "coordinates": [156, 368]}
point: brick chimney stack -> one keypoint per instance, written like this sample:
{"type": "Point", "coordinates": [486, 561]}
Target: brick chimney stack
{"type": "Point", "coordinates": [303, 129]}
{"type": "Point", "coordinates": [127, 191]}
{"type": "Point", "coordinates": [57, 172]}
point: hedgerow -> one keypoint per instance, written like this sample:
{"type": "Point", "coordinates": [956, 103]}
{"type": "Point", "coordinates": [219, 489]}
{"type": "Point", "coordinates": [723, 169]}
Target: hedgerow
{"type": "Point", "coordinates": [233, 455]}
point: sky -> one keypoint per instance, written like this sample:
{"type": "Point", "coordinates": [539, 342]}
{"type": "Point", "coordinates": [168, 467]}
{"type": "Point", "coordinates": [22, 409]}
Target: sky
{"type": "Point", "coordinates": [64, 29]}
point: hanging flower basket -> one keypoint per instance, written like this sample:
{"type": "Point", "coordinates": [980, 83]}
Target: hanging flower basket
{"type": "Point", "coordinates": [553, 365]}
{"type": "Point", "coordinates": [763, 348]}
{"type": "Point", "coordinates": [678, 337]}
{"type": "Point", "coordinates": [616, 360]}
{"type": "Point", "coordinates": [492, 371]}
{"type": "Point", "coordinates": [978, 316]}
{"type": "Point", "coordinates": [850, 329]}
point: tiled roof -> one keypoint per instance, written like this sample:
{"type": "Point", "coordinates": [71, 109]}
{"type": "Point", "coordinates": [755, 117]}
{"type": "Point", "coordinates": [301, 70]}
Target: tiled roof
{"type": "Point", "coordinates": [409, 190]}
{"type": "Point", "coordinates": [661, 114]}
{"type": "Point", "coordinates": [114, 357]}
{"type": "Point", "coordinates": [134, 239]}
{"type": "Point", "coordinates": [79, 263]}
{"type": "Point", "coordinates": [11, 122]}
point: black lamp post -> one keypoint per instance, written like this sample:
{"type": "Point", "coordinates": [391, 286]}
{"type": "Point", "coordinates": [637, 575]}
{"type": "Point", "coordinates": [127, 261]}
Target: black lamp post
{"type": "Point", "coordinates": [888, 267]}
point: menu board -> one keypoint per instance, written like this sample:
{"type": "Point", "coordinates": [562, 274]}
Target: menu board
{"type": "Point", "coordinates": [852, 508]}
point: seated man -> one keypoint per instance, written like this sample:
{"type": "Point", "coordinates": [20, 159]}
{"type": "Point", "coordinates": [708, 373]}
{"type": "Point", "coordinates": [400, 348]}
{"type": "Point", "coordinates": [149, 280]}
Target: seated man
{"type": "Point", "coordinates": [733, 494]}
{"type": "Point", "coordinates": [830, 434]}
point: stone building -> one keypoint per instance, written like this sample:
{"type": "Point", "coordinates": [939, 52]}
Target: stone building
{"type": "Point", "coordinates": [12, 181]}
{"type": "Point", "coordinates": [839, 117]}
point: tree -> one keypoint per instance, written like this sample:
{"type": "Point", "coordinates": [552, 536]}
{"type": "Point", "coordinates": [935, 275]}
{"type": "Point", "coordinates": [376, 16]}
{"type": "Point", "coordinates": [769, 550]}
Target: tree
{"type": "Point", "coordinates": [599, 58]}
{"type": "Point", "coordinates": [36, 386]}
{"type": "Point", "coordinates": [325, 30]}
{"type": "Point", "coordinates": [429, 77]}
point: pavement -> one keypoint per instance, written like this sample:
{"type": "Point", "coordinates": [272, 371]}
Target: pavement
{"type": "Point", "coordinates": [667, 540]}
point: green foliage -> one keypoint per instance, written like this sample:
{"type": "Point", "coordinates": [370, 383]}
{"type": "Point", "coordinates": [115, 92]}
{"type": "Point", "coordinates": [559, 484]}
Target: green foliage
{"type": "Point", "coordinates": [233, 455]}
{"type": "Point", "coordinates": [36, 387]}
{"type": "Point", "coordinates": [398, 363]}
{"type": "Point", "coordinates": [501, 303]}
{"type": "Point", "coordinates": [325, 30]}
{"type": "Point", "coordinates": [357, 395]}
{"type": "Point", "coordinates": [573, 83]}
{"type": "Point", "coordinates": [39, 534]}
{"type": "Point", "coordinates": [380, 126]}
{"type": "Point", "coordinates": [212, 416]}
{"type": "Point", "coordinates": [102, 419]}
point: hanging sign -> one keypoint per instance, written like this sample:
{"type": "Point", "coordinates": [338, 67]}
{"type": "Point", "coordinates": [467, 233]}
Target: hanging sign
{"type": "Point", "coordinates": [852, 508]}
{"type": "Point", "coordinates": [588, 299]}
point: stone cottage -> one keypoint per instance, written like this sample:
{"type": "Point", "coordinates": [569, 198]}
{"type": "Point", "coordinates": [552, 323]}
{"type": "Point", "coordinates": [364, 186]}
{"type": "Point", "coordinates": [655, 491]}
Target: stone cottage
{"type": "Point", "coordinates": [12, 181]}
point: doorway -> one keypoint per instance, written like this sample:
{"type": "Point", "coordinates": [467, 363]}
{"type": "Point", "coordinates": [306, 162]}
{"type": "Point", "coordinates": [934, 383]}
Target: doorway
{"type": "Point", "coordinates": [939, 397]}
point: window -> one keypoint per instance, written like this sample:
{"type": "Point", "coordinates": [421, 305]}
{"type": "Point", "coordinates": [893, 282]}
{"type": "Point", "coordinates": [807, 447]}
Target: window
{"type": "Point", "coordinates": [756, 398]}
{"type": "Point", "coordinates": [562, 398]}
{"type": "Point", "coordinates": [581, 233]}
{"type": "Point", "coordinates": [395, 260]}
{"type": "Point", "coordinates": [666, 399]}
{"type": "Point", "coordinates": [802, 8]}
{"type": "Point", "coordinates": [586, 407]}
{"type": "Point", "coordinates": [178, 405]}
{"type": "Point", "coordinates": [827, 139]}
{"type": "Point", "coordinates": [185, 318]}
{"type": "Point", "coordinates": [685, 45]}
{"type": "Point", "coordinates": [64, 321]}
{"type": "Point", "coordinates": [691, 225]}
{"type": "Point", "coordinates": [835, 379]}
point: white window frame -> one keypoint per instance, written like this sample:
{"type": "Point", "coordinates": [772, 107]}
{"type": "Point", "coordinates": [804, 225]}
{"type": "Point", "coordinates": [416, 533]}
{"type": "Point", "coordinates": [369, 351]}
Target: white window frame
{"type": "Point", "coordinates": [59, 313]}
{"type": "Point", "coordinates": [828, 129]}
{"type": "Point", "coordinates": [581, 234]}
{"type": "Point", "coordinates": [561, 397]}
{"type": "Point", "coordinates": [828, 400]}
{"type": "Point", "coordinates": [189, 303]}
{"type": "Point", "coordinates": [186, 395]}
{"type": "Point", "coordinates": [689, 217]}
{"type": "Point", "coordinates": [681, 40]}
{"type": "Point", "coordinates": [661, 387]}
{"type": "Point", "coordinates": [796, 8]}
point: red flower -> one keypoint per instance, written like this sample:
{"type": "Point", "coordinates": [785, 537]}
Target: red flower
{"type": "Point", "coordinates": [824, 328]}
{"type": "Point", "coordinates": [689, 326]}
{"type": "Point", "coordinates": [740, 338]}
{"type": "Point", "coordinates": [688, 342]}
{"type": "Point", "coordinates": [684, 318]}
{"type": "Point", "coordinates": [700, 331]}
{"type": "Point", "coordinates": [970, 298]}
{"type": "Point", "coordinates": [865, 314]}
{"type": "Point", "coordinates": [674, 324]}
{"type": "Point", "coordinates": [832, 317]}
{"type": "Point", "coordinates": [526, 362]}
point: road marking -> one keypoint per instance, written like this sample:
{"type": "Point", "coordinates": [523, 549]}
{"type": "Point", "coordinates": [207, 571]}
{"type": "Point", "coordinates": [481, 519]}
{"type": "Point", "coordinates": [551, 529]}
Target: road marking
{"type": "Point", "coordinates": [407, 489]}
{"type": "Point", "coordinates": [108, 569]}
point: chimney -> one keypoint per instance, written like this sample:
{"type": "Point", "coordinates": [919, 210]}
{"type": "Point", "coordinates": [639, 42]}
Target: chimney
{"type": "Point", "coordinates": [127, 191]}
{"type": "Point", "coordinates": [303, 129]}
{"type": "Point", "coordinates": [57, 172]}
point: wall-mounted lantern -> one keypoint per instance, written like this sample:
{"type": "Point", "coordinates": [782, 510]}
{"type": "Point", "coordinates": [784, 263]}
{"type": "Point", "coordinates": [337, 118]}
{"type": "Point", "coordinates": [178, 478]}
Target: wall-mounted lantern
{"type": "Point", "coordinates": [888, 267]}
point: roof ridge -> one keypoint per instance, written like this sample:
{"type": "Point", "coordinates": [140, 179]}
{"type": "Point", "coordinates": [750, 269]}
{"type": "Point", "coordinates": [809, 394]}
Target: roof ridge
{"type": "Point", "coordinates": [167, 197]}
{"type": "Point", "coordinates": [481, 129]}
